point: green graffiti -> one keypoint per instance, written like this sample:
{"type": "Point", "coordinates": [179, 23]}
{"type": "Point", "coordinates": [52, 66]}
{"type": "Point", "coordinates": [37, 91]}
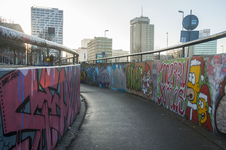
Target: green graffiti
{"type": "Point", "coordinates": [134, 78]}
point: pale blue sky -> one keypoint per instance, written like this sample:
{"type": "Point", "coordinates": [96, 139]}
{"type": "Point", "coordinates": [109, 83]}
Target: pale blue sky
{"type": "Point", "coordinates": [89, 18]}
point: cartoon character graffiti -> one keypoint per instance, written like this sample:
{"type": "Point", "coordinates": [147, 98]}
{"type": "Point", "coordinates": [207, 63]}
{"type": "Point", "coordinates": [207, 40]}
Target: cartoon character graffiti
{"type": "Point", "coordinates": [196, 70]}
{"type": "Point", "coordinates": [146, 82]}
{"type": "Point", "coordinates": [204, 107]}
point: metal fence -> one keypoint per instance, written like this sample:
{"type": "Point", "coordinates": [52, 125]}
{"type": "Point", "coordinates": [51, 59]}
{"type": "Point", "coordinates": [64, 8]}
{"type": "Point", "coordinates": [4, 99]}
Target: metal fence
{"type": "Point", "coordinates": [157, 52]}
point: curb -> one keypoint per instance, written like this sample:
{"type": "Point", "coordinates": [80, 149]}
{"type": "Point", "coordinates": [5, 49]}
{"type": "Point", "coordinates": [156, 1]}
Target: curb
{"type": "Point", "coordinates": [71, 133]}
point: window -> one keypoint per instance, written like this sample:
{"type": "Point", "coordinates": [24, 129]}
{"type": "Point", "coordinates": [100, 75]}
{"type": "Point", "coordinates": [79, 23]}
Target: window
{"type": "Point", "coordinates": [84, 55]}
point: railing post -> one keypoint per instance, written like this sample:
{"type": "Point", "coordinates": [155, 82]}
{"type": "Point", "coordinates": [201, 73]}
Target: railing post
{"type": "Point", "coordinates": [73, 59]}
{"type": "Point", "coordinates": [127, 58]}
{"type": "Point", "coordinates": [76, 59]}
{"type": "Point", "coordinates": [59, 57]}
{"type": "Point", "coordinates": [159, 56]}
{"type": "Point", "coordinates": [188, 52]}
{"type": "Point", "coordinates": [182, 52]}
{"type": "Point", "coordinates": [141, 58]}
{"type": "Point", "coordinates": [27, 53]}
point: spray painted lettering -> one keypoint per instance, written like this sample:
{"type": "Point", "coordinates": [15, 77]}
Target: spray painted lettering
{"type": "Point", "coordinates": [172, 85]}
{"type": "Point", "coordinates": [44, 104]}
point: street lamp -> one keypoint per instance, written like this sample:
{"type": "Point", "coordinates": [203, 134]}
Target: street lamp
{"type": "Point", "coordinates": [105, 41]}
{"type": "Point", "coordinates": [182, 17]}
{"type": "Point", "coordinates": [105, 32]}
{"type": "Point", "coordinates": [167, 39]}
{"type": "Point", "coordinates": [222, 48]}
{"type": "Point", "coordinates": [167, 53]}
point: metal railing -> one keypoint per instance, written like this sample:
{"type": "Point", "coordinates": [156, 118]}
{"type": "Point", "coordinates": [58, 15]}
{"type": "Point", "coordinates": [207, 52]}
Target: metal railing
{"type": "Point", "coordinates": [198, 41]}
{"type": "Point", "coordinates": [13, 35]}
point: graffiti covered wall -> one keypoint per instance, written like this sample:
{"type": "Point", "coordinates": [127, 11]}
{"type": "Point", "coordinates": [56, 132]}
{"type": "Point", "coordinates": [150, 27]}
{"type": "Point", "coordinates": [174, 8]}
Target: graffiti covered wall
{"type": "Point", "coordinates": [37, 106]}
{"type": "Point", "coordinates": [194, 88]}
{"type": "Point", "coordinates": [172, 84]}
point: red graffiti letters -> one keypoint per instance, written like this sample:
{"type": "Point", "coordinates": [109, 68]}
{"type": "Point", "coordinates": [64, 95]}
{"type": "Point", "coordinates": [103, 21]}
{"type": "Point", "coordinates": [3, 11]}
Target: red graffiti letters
{"type": "Point", "coordinates": [173, 84]}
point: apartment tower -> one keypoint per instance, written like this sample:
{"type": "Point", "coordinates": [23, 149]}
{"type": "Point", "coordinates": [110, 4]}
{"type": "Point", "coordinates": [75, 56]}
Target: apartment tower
{"type": "Point", "coordinates": [141, 38]}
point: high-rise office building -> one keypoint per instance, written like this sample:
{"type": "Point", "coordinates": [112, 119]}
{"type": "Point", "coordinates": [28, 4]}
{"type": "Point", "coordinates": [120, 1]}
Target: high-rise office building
{"type": "Point", "coordinates": [99, 47]}
{"type": "Point", "coordinates": [47, 23]}
{"type": "Point", "coordinates": [141, 37]}
{"type": "Point", "coordinates": [207, 48]}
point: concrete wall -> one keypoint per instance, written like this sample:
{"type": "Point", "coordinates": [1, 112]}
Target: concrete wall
{"type": "Point", "coordinates": [191, 87]}
{"type": "Point", "coordinates": [37, 105]}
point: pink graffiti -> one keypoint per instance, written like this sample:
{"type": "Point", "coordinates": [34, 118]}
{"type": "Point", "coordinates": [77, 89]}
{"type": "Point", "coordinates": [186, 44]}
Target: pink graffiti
{"type": "Point", "coordinates": [174, 75]}
{"type": "Point", "coordinates": [210, 70]}
{"type": "Point", "coordinates": [42, 101]}
{"type": "Point", "coordinates": [223, 70]}
{"type": "Point", "coordinates": [217, 59]}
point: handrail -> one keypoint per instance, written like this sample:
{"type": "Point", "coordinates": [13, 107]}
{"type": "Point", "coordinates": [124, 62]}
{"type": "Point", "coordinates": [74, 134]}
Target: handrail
{"type": "Point", "coordinates": [13, 35]}
{"type": "Point", "coordinates": [198, 41]}
{"type": "Point", "coordinates": [64, 58]}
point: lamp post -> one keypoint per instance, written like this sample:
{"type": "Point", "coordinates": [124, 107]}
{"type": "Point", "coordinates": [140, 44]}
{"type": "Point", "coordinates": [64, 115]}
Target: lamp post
{"type": "Point", "coordinates": [105, 41]}
{"type": "Point", "coordinates": [182, 17]}
{"type": "Point", "coordinates": [182, 29]}
{"type": "Point", "coordinates": [167, 39]}
{"type": "Point", "coordinates": [105, 32]}
{"type": "Point", "coordinates": [167, 45]}
{"type": "Point", "coordinates": [222, 48]}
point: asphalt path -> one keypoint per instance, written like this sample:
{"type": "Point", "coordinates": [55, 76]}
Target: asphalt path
{"type": "Point", "coordinates": [122, 121]}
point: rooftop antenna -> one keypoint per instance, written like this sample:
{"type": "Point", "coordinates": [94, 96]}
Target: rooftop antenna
{"type": "Point", "coordinates": [141, 11]}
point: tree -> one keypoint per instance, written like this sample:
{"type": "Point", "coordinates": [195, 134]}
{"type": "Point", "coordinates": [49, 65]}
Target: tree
{"type": "Point", "coordinates": [176, 53]}
{"type": "Point", "coordinates": [5, 20]}
{"type": "Point", "coordinates": [137, 49]}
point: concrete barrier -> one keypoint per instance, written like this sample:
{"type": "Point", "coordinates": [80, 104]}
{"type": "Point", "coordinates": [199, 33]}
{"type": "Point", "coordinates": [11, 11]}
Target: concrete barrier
{"type": "Point", "coordinates": [194, 88]}
{"type": "Point", "coordinates": [37, 105]}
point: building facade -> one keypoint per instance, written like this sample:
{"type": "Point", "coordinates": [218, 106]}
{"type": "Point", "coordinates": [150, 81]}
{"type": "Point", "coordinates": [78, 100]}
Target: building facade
{"type": "Point", "coordinates": [207, 48]}
{"type": "Point", "coordinates": [84, 42]}
{"type": "Point", "coordinates": [12, 52]}
{"type": "Point", "coordinates": [99, 47]}
{"type": "Point", "coordinates": [119, 52]}
{"type": "Point", "coordinates": [82, 54]}
{"type": "Point", "coordinates": [47, 23]}
{"type": "Point", "coordinates": [141, 38]}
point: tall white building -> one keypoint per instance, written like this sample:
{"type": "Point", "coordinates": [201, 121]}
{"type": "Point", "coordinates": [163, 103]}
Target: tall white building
{"type": "Point", "coordinates": [47, 23]}
{"type": "Point", "coordinates": [207, 48]}
{"type": "Point", "coordinates": [141, 37]}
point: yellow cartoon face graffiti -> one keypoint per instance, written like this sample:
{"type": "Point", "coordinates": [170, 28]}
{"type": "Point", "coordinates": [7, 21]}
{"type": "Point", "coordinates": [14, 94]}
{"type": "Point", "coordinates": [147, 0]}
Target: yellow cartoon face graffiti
{"type": "Point", "coordinates": [202, 110]}
{"type": "Point", "coordinates": [193, 84]}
